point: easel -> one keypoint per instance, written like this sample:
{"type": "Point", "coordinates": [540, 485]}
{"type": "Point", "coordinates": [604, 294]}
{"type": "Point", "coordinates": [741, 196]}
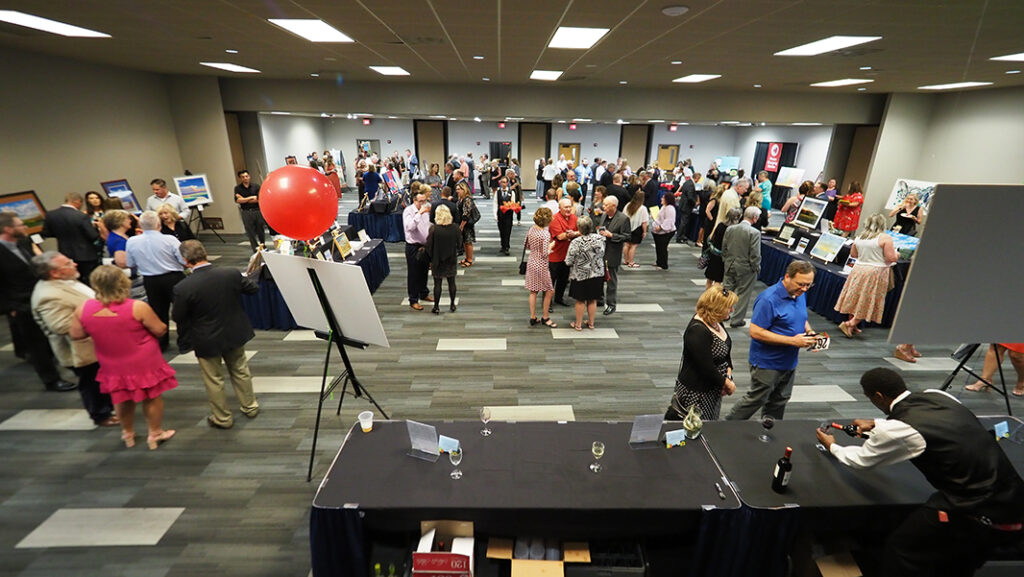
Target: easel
{"type": "Point", "coordinates": [338, 339]}
{"type": "Point", "coordinates": [964, 354]}
{"type": "Point", "coordinates": [196, 214]}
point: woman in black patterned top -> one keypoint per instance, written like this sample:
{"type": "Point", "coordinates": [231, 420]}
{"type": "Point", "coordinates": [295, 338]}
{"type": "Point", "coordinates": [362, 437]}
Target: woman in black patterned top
{"type": "Point", "coordinates": [705, 372]}
{"type": "Point", "coordinates": [585, 258]}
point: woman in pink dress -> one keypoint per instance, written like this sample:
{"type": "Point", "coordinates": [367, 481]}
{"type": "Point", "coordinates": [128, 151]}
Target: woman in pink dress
{"type": "Point", "coordinates": [538, 276]}
{"type": "Point", "coordinates": [132, 370]}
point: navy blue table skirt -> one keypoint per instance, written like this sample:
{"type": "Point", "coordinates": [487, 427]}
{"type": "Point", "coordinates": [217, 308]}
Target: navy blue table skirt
{"type": "Point", "coordinates": [267, 309]}
{"type": "Point", "coordinates": [828, 282]}
{"type": "Point", "coordinates": [383, 226]}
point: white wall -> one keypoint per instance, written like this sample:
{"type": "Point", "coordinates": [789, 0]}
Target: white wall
{"type": "Point", "coordinates": [902, 135]}
{"type": "Point", "coordinates": [588, 134]}
{"type": "Point", "coordinates": [69, 125]}
{"type": "Point", "coordinates": [810, 154]}
{"type": "Point", "coordinates": [702, 144]}
{"type": "Point", "coordinates": [285, 135]}
{"type": "Point", "coordinates": [342, 133]}
{"type": "Point", "coordinates": [463, 137]}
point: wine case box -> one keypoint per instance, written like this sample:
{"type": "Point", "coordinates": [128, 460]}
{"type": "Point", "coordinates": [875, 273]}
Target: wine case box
{"type": "Point", "coordinates": [445, 549]}
{"type": "Point", "coordinates": [839, 565]}
{"type": "Point", "coordinates": [572, 553]}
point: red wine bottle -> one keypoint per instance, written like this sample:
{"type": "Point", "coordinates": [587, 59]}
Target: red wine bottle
{"type": "Point", "coordinates": [780, 479]}
{"type": "Point", "coordinates": [850, 429]}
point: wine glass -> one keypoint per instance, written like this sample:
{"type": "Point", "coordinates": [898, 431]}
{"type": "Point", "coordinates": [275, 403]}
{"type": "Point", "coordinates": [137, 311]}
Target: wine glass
{"type": "Point", "coordinates": [597, 449]}
{"type": "Point", "coordinates": [767, 422]}
{"type": "Point", "coordinates": [455, 456]}
{"type": "Point", "coordinates": [485, 417]}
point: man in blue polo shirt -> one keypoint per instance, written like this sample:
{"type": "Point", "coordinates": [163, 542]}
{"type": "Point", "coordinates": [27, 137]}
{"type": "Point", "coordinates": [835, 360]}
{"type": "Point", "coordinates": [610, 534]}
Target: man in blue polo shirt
{"type": "Point", "coordinates": [778, 330]}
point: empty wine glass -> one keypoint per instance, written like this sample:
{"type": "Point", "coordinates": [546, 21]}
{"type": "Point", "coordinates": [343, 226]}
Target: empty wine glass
{"type": "Point", "coordinates": [598, 451]}
{"type": "Point", "coordinates": [485, 417]}
{"type": "Point", "coordinates": [455, 456]}
{"type": "Point", "coordinates": [767, 422]}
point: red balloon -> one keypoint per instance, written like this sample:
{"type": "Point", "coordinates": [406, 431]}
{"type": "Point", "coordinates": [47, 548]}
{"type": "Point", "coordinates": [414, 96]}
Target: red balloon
{"type": "Point", "coordinates": [298, 202]}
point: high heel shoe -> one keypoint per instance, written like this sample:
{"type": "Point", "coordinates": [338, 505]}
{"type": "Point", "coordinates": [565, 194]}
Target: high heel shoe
{"type": "Point", "coordinates": [452, 308]}
{"type": "Point", "coordinates": [154, 440]}
{"type": "Point", "coordinates": [129, 439]}
{"type": "Point", "coordinates": [435, 310]}
{"type": "Point", "coordinates": [904, 356]}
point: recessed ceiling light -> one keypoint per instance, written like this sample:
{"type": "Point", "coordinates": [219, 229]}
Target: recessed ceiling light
{"type": "Point", "coordinates": [311, 29]}
{"type": "Point", "coordinates": [548, 75]}
{"type": "Point", "coordinates": [438, 116]}
{"type": "Point", "coordinates": [392, 117]}
{"type": "Point", "coordinates": [315, 75]}
{"type": "Point", "coordinates": [390, 70]}
{"type": "Point", "coordinates": [829, 44]}
{"type": "Point", "coordinates": [805, 124]}
{"type": "Point", "coordinates": [654, 121]}
{"type": "Point", "coordinates": [953, 85]}
{"type": "Point", "coordinates": [757, 86]}
{"type": "Point", "coordinates": [861, 89]}
{"type": "Point", "coordinates": [1019, 57]}
{"type": "Point", "coordinates": [677, 62]}
{"type": "Point", "coordinates": [561, 122]}
{"type": "Point", "coordinates": [513, 118]}
{"type": "Point", "coordinates": [621, 121]}
{"type": "Point", "coordinates": [677, 10]}
{"type": "Point", "coordinates": [453, 118]}
{"type": "Point", "coordinates": [478, 58]}
{"type": "Point", "coordinates": [683, 123]}
{"type": "Point", "coordinates": [231, 51]}
{"type": "Point", "coordinates": [476, 119]}
{"type": "Point", "coordinates": [1013, 71]}
{"type": "Point", "coordinates": [697, 78]}
{"type": "Point", "coordinates": [582, 120]}
{"type": "Point", "coordinates": [230, 67]}
{"type": "Point", "coordinates": [47, 25]}
{"type": "Point", "coordinates": [486, 79]}
{"type": "Point", "coordinates": [576, 38]}
{"type": "Point", "coordinates": [842, 82]}
{"type": "Point", "coordinates": [729, 122]}
{"type": "Point", "coordinates": [623, 82]}
{"type": "Point", "coordinates": [865, 68]}
{"type": "Point", "coordinates": [280, 113]}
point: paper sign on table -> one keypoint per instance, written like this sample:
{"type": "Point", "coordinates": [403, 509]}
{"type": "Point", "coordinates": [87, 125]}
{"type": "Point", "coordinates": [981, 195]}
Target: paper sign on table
{"type": "Point", "coordinates": [675, 438]}
{"type": "Point", "coordinates": [646, 429]}
{"type": "Point", "coordinates": [447, 444]}
{"type": "Point", "coordinates": [363, 236]}
{"type": "Point", "coordinates": [423, 441]}
{"type": "Point", "coordinates": [1002, 430]}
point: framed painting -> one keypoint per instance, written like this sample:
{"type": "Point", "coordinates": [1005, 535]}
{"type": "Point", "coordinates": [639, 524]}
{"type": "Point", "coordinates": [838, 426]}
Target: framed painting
{"type": "Point", "coordinates": [28, 208]}
{"type": "Point", "coordinates": [122, 190]}
{"type": "Point", "coordinates": [194, 189]}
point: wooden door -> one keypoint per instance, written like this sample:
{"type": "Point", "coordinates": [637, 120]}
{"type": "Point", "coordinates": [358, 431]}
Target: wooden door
{"type": "Point", "coordinates": [533, 144]}
{"type": "Point", "coordinates": [668, 155]}
{"type": "Point", "coordinates": [634, 144]}
{"type": "Point", "coordinates": [570, 150]}
{"type": "Point", "coordinates": [431, 144]}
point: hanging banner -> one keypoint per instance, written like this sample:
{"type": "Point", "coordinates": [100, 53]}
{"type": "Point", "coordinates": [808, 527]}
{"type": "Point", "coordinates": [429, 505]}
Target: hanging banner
{"type": "Point", "coordinates": [774, 155]}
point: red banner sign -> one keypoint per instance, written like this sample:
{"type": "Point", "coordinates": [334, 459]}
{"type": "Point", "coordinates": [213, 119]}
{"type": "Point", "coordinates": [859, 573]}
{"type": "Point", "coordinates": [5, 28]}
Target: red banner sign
{"type": "Point", "coordinates": [774, 155]}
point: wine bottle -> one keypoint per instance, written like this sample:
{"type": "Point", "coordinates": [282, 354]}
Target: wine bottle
{"type": "Point", "coordinates": [850, 429]}
{"type": "Point", "coordinates": [783, 468]}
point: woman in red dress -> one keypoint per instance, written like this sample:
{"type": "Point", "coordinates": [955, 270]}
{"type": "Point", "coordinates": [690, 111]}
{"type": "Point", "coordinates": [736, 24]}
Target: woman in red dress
{"type": "Point", "coordinates": [848, 213]}
{"type": "Point", "coordinates": [332, 174]}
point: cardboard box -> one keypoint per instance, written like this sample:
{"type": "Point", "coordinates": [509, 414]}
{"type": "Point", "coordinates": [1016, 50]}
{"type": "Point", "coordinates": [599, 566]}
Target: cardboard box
{"type": "Point", "coordinates": [571, 553]}
{"type": "Point", "coordinates": [839, 565]}
{"type": "Point", "coordinates": [453, 559]}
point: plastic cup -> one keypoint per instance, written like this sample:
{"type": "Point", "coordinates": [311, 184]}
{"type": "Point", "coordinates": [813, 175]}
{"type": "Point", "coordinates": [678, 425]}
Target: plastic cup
{"type": "Point", "coordinates": [366, 421]}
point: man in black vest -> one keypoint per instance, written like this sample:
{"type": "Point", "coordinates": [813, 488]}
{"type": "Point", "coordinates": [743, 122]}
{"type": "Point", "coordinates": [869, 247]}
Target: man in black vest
{"type": "Point", "coordinates": [980, 500]}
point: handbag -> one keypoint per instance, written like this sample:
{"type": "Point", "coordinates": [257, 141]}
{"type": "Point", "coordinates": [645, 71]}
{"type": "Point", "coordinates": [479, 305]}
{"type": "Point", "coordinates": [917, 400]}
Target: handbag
{"type": "Point", "coordinates": [705, 256]}
{"type": "Point", "coordinates": [522, 260]}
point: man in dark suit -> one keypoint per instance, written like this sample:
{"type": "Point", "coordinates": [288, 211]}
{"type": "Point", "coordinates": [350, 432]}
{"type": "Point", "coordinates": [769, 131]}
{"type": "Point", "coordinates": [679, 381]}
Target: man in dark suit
{"type": "Point", "coordinates": [684, 208]}
{"type": "Point", "coordinates": [211, 321]}
{"type": "Point", "coordinates": [16, 252]}
{"type": "Point", "coordinates": [618, 191]}
{"type": "Point", "coordinates": [75, 233]}
{"type": "Point", "coordinates": [650, 186]}
{"type": "Point", "coordinates": [614, 227]}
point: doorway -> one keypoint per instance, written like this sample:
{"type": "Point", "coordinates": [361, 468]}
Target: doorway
{"type": "Point", "coordinates": [570, 150]}
{"type": "Point", "coordinates": [668, 155]}
{"type": "Point", "coordinates": [502, 152]}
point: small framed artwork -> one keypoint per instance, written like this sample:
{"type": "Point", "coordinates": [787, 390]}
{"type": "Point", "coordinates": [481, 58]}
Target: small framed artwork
{"type": "Point", "coordinates": [28, 208]}
{"type": "Point", "coordinates": [850, 261]}
{"type": "Point", "coordinates": [194, 189]}
{"type": "Point", "coordinates": [122, 190]}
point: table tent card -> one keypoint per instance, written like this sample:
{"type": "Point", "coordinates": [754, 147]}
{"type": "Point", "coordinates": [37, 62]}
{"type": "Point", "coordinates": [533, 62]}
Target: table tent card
{"type": "Point", "coordinates": [646, 431]}
{"type": "Point", "coordinates": [423, 441]}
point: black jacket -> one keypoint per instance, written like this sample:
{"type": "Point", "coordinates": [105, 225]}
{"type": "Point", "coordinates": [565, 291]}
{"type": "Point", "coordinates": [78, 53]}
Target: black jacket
{"type": "Point", "coordinates": [16, 280]}
{"type": "Point", "coordinates": [208, 311]}
{"type": "Point", "coordinates": [75, 234]}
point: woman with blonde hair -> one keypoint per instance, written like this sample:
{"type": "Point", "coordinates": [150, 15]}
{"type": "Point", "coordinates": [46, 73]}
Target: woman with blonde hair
{"type": "Point", "coordinates": [470, 216]}
{"type": "Point", "coordinates": [132, 369]}
{"type": "Point", "coordinates": [908, 215]}
{"type": "Point", "coordinates": [863, 295]}
{"type": "Point", "coordinates": [638, 216]}
{"type": "Point", "coordinates": [705, 371]}
{"type": "Point", "coordinates": [442, 247]}
{"type": "Point", "coordinates": [172, 224]}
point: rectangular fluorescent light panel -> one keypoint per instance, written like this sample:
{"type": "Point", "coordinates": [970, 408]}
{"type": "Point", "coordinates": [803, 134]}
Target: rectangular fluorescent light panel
{"type": "Point", "coordinates": [842, 82]}
{"type": "Point", "coordinates": [230, 67]}
{"type": "Point", "coordinates": [390, 70]}
{"type": "Point", "coordinates": [1019, 57]}
{"type": "Point", "coordinates": [693, 78]}
{"type": "Point", "coordinates": [576, 38]}
{"type": "Point", "coordinates": [806, 124]}
{"type": "Point", "coordinates": [829, 44]}
{"type": "Point", "coordinates": [47, 25]}
{"type": "Point", "coordinates": [953, 86]}
{"type": "Point", "coordinates": [311, 29]}
{"type": "Point", "coordinates": [545, 75]}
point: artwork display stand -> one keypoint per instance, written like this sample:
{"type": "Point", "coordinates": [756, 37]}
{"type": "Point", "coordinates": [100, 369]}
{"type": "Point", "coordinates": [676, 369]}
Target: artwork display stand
{"type": "Point", "coordinates": [336, 338]}
{"type": "Point", "coordinates": [964, 355]}
{"type": "Point", "coordinates": [196, 215]}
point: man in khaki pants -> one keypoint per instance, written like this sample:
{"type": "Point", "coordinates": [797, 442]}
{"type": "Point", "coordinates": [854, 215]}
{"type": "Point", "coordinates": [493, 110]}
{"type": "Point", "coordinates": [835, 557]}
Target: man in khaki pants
{"type": "Point", "coordinates": [210, 319]}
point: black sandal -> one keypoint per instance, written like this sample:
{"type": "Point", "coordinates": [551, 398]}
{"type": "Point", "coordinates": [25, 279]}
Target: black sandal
{"type": "Point", "coordinates": [547, 322]}
{"type": "Point", "coordinates": [533, 321]}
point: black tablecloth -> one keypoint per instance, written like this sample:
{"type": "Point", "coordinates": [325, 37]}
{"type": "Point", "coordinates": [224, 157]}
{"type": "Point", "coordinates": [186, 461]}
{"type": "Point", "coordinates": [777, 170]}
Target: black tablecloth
{"type": "Point", "coordinates": [1014, 446]}
{"type": "Point", "coordinates": [525, 479]}
{"type": "Point", "coordinates": [384, 226]}
{"type": "Point", "coordinates": [828, 281]}
{"type": "Point", "coordinates": [268, 310]}
{"type": "Point", "coordinates": [818, 479]}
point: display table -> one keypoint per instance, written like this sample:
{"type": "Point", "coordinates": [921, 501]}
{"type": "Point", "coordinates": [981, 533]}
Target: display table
{"type": "Point", "coordinates": [525, 479]}
{"type": "Point", "coordinates": [828, 281]}
{"type": "Point", "coordinates": [267, 309]}
{"type": "Point", "coordinates": [384, 226]}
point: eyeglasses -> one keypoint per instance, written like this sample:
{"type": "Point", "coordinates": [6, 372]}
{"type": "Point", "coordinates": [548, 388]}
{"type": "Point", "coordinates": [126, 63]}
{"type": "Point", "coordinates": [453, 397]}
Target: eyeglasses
{"type": "Point", "coordinates": [805, 285]}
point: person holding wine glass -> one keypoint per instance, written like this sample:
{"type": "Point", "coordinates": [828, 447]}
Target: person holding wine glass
{"type": "Point", "coordinates": [908, 215]}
